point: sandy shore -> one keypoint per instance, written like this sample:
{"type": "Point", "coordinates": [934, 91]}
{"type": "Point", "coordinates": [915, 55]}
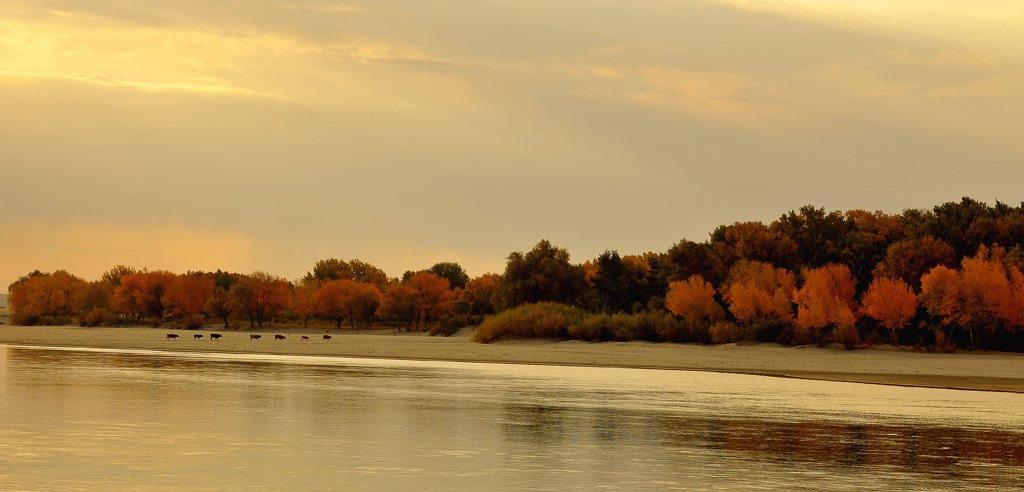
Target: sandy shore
{"type": "Point", "coordinates": [979, 371]}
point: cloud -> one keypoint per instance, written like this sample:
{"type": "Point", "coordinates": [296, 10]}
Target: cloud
{"type": "Point", "coordinates": [103, 80]}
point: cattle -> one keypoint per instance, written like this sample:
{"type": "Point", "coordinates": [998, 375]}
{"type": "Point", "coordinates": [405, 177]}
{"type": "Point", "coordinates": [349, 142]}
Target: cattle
{"type": "Point", "coordinates": [304, 337]}
{"type": "Point", "coordinates": [254, 337]}
{"type": "Point", "coordinates": [215, 336]}
{"type": "Point", "coordinates": [278, 337]}
{"type": "Point", "coordinates": [197, 337]}
{"type": "Point", "coordinates": [171, 336]}
{"type": "Point", "coordinates": [327, 337]}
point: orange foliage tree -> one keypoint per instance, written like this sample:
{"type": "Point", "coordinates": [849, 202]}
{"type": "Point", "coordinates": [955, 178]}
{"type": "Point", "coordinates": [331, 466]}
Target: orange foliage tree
{"type": "Point", "coordinates": [756, 291]}
{"type": "Point", "coordinates": [304, 299]}
{"type": "Point", "coordinates": [334, 300]}
{"type": "Point", "coordinates": [475, 299]}
{"type": "Point", "coordinates": [753, 241]}
{"type": "Point", "coordinates": [826, 299]}
{"type": "Point", "coordinates": [366, 299]}
{"type": "Point", "coordinates": [435, 298]}
{"type": "Point", "coordinates": [694, 300]}
{"type": "Point", "coordinates": [142, 294]}
{"type": "Point", "coordinates": [186, 297]}
{"type": "Point", "coordinates": [260, 296]}
{"type": "Point", "coordinates": [987, 293]}
{"type": "Point", "coordinates": [43, 295]}
{"type": "Point", "coordinates": [401, 302]}
{"type": "Point", "coordinates": [891, 302]}
{"type": "Point", "coordinates": [909, 260]}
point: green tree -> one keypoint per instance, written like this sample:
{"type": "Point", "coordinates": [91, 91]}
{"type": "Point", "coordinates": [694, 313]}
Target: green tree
{"type": "Point", "coordinates": [543, 274]}
{"type": "Point", "coordinates": [617, 284]}
{"type": "Point", "coordinates": [453, 272]}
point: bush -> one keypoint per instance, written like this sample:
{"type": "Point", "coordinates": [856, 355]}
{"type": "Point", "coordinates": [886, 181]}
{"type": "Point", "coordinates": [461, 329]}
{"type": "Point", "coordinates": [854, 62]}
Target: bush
{"type": "Point", "coordinates": [155, 322]}
{"type": "Point", "coordinates": [94, 318]}
{"type": "Point", "coordinates": [23, 319]}
{"type": "Point", "coordinates": [448, 324]}
{"type": "Point", "coordinates": [193, 322]}
{"type": "Point", "coordinates": [540, 320]}
{"type": "Point", "coordinates": [726, 332]}
{"type": "Point", "coordinates": [846, 335]}
{"type": "Point", "coordinates": [58, 320]}
{"type": "Point", "coordinates": [111, 319]}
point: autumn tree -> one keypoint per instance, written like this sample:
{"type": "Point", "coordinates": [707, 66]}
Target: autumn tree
{"type": "Point", "coordinates": [435, 297]}
{"type": "Point", "coordinates": [366, 299]}
{"type": "Point", "coordinates": [304, 299]}
{"type": "Point", "coordinates": [334, 300]}
{"type": "Point", "coordinates": [219, 305]}
{"type": "Point", "coordinates": [756, 291]}
{"type": "Point", "coordinates": [892, 303]}
{"type": "Point", "coordinates": [694, 300]}
{"type": "Point", "coordinates": [826, 299]}
{"type": "Point", "coordinates": [259, 296]}
{"type": "Point", "coordinates": [401, 302]}
{"type": "Point", "coordinates": [142, 294]}
{"type": "Point", "coordinates": [475, 299]}
{"type": "Point", "coordinates": [186, 297]}
{"type": "Point", "coordinates": [94, 302]}
{"type": "Point", "coordinates": [542, 274]}
{"type": "Point", "coordinates": [909, 260]}
{"type": "Point", "coordinates": [43, 295]}
{"type": "Point", "coordinates": [754, 241]}
{"type": "Point", "coordinates": [113, 276]}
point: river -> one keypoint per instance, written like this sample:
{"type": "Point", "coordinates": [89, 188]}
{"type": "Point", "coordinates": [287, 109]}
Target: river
{"type": "Point", "coordinates": [115, 420]}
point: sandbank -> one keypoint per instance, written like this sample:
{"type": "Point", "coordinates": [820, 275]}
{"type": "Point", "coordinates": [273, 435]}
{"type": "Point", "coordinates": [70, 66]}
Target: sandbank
{"type": "Point", "coordinates": [972, 371]}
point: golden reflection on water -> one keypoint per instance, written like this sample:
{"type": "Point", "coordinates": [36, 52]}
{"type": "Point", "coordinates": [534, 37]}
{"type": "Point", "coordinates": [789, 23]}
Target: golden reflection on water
{"type": "Point", "coordinates": [113, 420]}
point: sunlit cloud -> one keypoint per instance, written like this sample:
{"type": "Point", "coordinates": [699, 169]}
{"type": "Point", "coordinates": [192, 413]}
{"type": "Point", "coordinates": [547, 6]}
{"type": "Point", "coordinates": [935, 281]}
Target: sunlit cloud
{"type": "Point", "coordinates": [102, 80]}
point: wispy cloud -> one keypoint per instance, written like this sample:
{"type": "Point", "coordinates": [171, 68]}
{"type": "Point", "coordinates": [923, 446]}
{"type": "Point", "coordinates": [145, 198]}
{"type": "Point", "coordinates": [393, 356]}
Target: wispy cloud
{"type": "Point", "coordinates": [103, 80]}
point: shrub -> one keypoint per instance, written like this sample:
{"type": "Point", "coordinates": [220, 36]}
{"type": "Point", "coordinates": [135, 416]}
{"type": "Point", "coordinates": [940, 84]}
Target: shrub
{"type": "Point", "coordinates": [111, 319]}
{"type": "Point", "coordinates": [155, 322]}
{"type": "Point", "coordinates": [846, 335]}
{"type": "Point", "coordinates": [193, 322]}
{"type": "Point", "coordinates": [725, 332]}
{"type": "Point", "coordinates": [593, 327]}
{"type": "Point", "coordinates": [448, 324]}
{"type": "Point", "coordinates": [23, 319]}
{"type": "Point", "coordinates": [95, 317]}
{"type": "Point", "coordinates": [540, 320]}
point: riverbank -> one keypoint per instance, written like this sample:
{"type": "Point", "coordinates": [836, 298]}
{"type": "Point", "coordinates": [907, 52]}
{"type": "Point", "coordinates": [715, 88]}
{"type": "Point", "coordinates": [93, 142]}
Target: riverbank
{"type": "Point", "coordinates": [976, 371]}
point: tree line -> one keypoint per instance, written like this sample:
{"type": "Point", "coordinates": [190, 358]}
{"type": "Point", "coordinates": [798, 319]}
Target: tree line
{"type": "Point", "coordinates": [945, 277]}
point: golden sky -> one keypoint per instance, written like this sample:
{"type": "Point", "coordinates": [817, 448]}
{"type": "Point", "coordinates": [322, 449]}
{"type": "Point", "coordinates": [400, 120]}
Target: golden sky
{"type": "Point", "coordinates": [188, 134]}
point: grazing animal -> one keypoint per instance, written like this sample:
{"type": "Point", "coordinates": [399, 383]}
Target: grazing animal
{"type": "Point", "coordinates": [171, 336]}
{"type": "Point", "coordinates": [197, 337]}
{"type": "Point", "coordinates": [278, 337]}
{"type": "Point", "coordinates": [327, 337]}
{"type": "Point", "coordinates": [304, 337]}
{"type": "Point", "coordinates": [215, 336]}
{"type": "Point", "coordinates": [254, 337]}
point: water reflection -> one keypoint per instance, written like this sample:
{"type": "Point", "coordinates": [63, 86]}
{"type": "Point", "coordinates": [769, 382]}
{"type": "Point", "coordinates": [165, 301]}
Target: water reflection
{"type": "Point", "coordinates": [112, 420]}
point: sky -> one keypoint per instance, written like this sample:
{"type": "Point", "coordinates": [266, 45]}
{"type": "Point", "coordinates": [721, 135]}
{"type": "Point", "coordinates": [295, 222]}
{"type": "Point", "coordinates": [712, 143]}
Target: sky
{"type": "Point", "coordinates": [269, 134]}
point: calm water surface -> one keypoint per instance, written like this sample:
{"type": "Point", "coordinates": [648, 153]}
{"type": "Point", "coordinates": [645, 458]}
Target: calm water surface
{"type": "Point", "coordinates": [107, 420]}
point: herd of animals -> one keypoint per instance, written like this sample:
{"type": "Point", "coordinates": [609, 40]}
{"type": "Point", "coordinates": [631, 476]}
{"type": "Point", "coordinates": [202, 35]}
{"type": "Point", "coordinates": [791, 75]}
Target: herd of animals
{"type": "Point", "coordinates": [216, 336]}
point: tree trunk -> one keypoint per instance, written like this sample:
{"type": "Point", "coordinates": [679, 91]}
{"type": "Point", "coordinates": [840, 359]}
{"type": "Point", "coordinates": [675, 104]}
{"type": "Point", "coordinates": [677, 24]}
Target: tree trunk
{"type": "Point", "coordinates": [305, 321]}
{"type": "Point", "coordinates": [339, 322]}
{"type": "Point", "coordinates": [252, 320]}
